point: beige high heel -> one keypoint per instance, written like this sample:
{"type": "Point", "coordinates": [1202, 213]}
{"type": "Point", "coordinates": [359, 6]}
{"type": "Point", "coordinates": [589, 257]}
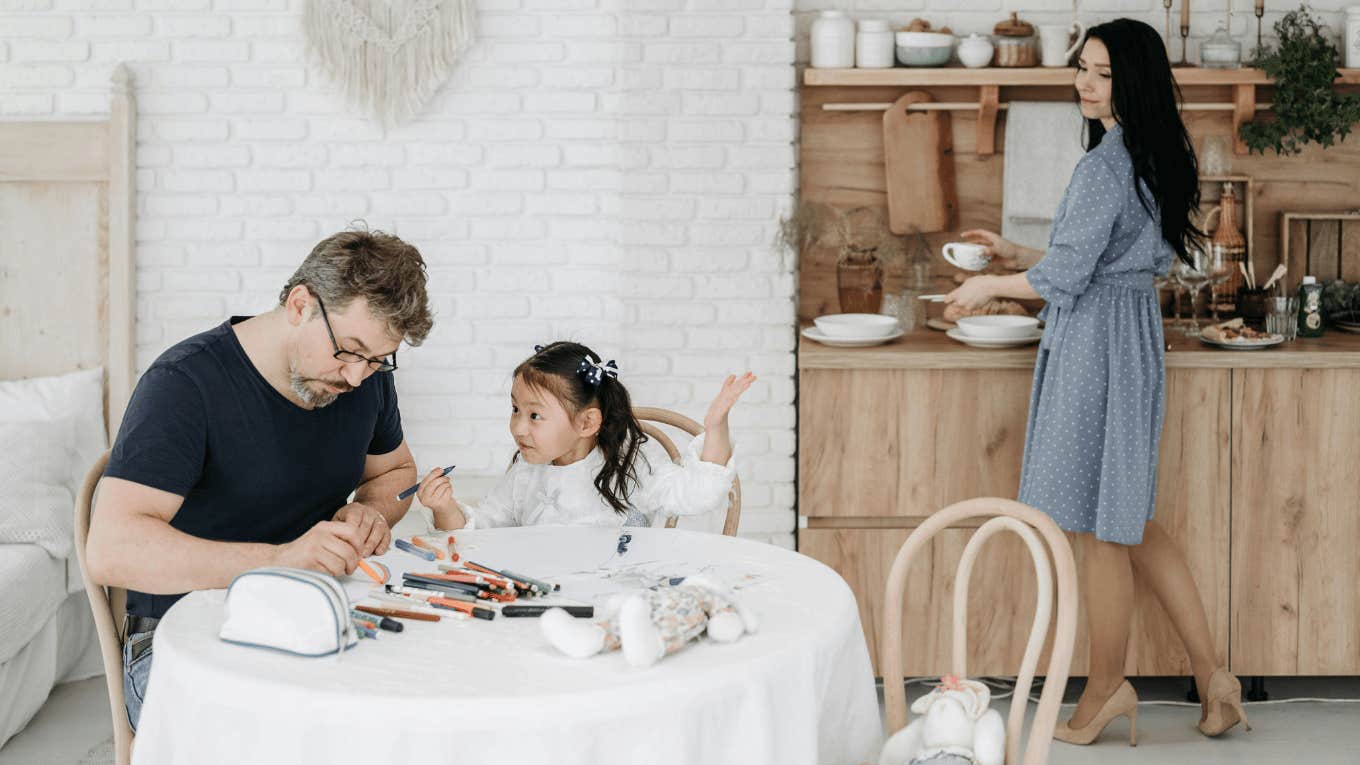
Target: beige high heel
{"type": "Point", "coordinates": [1224, 704]}
{"type": "Point", "coordinates": [1122, 703]}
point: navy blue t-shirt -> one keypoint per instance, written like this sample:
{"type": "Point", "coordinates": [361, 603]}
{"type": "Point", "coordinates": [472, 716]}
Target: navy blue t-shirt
{"type": "Point", "coordinates": [251, 465]}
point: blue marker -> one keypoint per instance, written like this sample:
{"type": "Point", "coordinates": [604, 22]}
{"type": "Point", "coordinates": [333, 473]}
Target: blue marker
{"type": "Point", "coordinates": [402, 544]}
{"type": "Point", "coordinates": [416, 488]}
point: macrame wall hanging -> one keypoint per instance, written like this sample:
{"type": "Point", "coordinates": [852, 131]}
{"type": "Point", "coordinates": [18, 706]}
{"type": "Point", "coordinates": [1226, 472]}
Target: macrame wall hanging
{"type": "Point", "coordinates": [388, 56]}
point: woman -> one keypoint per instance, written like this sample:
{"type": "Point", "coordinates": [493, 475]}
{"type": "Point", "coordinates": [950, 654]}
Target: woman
{"type": "Point", "coordinates": [1096, 408]}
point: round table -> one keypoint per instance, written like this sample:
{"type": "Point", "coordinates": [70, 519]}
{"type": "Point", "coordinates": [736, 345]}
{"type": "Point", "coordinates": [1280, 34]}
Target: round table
{"type": "Point", "coordinates": [800, 690]}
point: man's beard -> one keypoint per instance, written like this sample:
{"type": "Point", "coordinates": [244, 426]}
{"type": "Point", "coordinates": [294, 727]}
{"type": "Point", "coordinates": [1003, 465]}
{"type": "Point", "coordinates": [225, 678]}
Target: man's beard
{"type": "Point", "coordinates": [310, 396]}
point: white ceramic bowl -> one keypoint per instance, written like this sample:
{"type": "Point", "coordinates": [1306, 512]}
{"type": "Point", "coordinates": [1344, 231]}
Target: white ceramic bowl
{"type": "Point", "coordinates": [929, 49]}
{"type": "Point", "coordinates": [1001, 327]}
{"type": "Point", "coordinates": [856, 325]}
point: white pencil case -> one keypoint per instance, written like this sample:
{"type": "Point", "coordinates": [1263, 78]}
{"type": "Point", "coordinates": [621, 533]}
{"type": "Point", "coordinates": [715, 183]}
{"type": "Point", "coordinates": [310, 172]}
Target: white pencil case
{"type": "Point", "coordinates": [288, 609]}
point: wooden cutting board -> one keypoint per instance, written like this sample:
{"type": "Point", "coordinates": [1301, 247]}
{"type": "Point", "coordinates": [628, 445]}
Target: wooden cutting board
{"type": "Point", "coordinates": [918, 150]}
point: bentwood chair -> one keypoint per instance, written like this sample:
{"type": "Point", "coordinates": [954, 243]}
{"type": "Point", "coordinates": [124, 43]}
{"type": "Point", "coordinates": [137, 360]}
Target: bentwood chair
{"type": "Point", "coordinates": [647, 415]}
{"type": "Point", "coordinates": [108, 604]}
{"type": "Point", "coordinates": [1043, 538]}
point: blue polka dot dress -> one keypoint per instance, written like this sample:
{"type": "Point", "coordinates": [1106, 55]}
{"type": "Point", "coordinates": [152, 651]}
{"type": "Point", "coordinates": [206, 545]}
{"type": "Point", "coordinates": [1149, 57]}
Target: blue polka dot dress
{"type": "Point", "coordinates": [1098, 401]}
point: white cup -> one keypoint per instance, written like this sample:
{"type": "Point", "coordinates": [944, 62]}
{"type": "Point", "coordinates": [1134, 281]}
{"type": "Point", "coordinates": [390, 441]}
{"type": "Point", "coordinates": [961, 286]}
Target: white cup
{"type": "Point", "coordinates": [966, 255]}
{"type": "Point", "coordinates": [1054, 42]}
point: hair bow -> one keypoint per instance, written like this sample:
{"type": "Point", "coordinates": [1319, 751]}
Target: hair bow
{"type": "Point", "coordinates": [594, 372]}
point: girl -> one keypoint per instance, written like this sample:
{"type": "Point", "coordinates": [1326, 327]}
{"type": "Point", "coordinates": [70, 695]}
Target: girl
{"type": "Point", "coordinates": [1096, 408]}
{"type": "Point", "coordinates": [580, 461]}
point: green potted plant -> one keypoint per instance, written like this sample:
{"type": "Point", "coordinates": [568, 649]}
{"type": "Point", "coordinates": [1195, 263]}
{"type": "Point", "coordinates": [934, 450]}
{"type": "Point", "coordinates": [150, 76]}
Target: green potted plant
{"type": "Point", "coordinates": [1307, 107]}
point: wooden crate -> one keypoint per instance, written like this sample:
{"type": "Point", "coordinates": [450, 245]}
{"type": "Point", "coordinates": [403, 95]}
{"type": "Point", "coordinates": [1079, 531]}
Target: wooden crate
{"type": "Point", "coordinates": [1323, 244]}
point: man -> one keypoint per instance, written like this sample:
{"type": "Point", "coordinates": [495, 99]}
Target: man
{"type": "Point", "coordinates": [241, 445]}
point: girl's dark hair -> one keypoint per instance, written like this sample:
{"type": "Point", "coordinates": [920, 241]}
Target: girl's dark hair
{"type": "Point", "coordinates": [556, 369]}
{"type": "Point", "coordinates": [1144, 97]}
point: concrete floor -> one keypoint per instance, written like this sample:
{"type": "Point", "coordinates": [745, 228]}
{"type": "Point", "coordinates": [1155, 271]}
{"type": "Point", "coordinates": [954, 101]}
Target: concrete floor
{"type": "Point", "coordinates": [76, 719]}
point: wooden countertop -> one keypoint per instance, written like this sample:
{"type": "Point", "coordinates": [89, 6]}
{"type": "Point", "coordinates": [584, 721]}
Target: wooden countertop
{"type": "Point", "coordinates": [931, 349]}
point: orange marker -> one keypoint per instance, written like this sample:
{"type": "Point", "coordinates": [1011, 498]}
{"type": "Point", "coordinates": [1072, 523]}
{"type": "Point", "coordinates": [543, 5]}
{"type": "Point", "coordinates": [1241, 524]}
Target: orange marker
{"type": "Point", "coordinates": [467, 608]}
{"type": "Point", "coordinates": [373, 573]}
{"type": "Point", "coordinates": [418, 542]}
{"type": "Point", "coordinates": [453, 555]}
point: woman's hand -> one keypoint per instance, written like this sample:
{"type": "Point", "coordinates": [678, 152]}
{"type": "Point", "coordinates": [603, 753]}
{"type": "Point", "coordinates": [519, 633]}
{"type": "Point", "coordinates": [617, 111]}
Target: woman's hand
{"type": "Point", "coordinates": [973, 293]}
{"type": "Point", "coordinates": [1003, 252]}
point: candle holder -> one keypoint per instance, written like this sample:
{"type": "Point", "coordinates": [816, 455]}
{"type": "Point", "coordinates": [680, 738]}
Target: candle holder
{"type": "Point", "coordinates": [1260, 11]}
{"type": "Point", "coordinates": [1167, 5]}
{"type": "Point", "coordinates": [1185, 36]}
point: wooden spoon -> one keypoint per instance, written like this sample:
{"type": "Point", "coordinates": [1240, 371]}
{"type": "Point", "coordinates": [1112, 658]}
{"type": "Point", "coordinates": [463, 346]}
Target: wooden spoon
{"type": "Point", "coordinates": [1276, 274]}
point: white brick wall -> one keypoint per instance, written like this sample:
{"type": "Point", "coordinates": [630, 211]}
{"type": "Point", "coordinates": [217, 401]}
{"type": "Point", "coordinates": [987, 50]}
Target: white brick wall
{"type": "Point", "coordinates": [968, 16]}
{"type": "Point", "coordinates": [609, 171]}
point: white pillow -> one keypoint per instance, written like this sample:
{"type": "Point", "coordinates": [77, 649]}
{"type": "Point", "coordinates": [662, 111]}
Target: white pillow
{"type": "Point", "coordinates": [77, 396]}
{"type": "Point", "coordinates": [36, 506]}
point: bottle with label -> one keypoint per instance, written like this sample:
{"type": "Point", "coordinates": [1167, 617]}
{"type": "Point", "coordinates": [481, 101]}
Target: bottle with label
{"type": "Point", "coordinates": [1310, 308]}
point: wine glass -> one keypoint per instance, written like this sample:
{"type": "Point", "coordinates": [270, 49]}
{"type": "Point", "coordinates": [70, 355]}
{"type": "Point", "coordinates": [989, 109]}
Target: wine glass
{"type": "Point", "coordinates": [1195, 277]}
{"type": "Point", "coordinates": [1220, 268]}
{"type": "Point", "coordinates": [1176, 274]}
{"type": "Point", "coordinates": [1168, 281]}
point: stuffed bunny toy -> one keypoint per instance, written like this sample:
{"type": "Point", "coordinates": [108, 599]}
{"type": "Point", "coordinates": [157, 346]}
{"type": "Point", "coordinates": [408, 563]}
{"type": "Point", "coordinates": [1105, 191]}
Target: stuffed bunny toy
{"type": "Point", "coordinates": [650, 624]}
{"type": "Point", "coordinates": [953, 725]}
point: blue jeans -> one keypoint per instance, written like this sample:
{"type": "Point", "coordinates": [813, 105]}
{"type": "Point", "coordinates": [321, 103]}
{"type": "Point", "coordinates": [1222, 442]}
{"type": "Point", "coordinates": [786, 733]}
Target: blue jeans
{"type": "Point", "coordinates": [136, 673]}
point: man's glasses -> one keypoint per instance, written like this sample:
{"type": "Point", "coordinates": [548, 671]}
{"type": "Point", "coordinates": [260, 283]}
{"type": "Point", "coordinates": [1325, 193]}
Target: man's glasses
{"type": "Point", "coordinates": [350, 357]}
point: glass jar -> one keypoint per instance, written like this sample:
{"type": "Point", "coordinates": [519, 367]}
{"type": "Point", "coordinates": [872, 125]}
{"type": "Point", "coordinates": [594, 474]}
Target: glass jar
{"type": "Point", "coordinates": [1016, 43]}
{"type": "Point", "coordinates": [1351, 50]}
{"type": "Point", "coordinates": [1220, 51]}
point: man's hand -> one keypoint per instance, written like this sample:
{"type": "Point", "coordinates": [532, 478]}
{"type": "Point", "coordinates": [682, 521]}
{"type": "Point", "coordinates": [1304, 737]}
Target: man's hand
{"type": "Point", "coordinates": [369, 524]}
{"type": "Point", "coordinates": [329, 547]}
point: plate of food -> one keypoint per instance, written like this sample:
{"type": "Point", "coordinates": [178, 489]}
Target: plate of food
{"type": "Point", "coordinates": [1236, 335]}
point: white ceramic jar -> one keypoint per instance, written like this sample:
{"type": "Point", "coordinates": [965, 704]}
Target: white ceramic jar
{"type": "Point", "coordinates": [833, 41]}
{"type": "Point", "coordinates": [874, 45]}
{"type": "Point", "coordinates": [1351, 51]}
{"type": "Point", "coordinates": [975, 51]}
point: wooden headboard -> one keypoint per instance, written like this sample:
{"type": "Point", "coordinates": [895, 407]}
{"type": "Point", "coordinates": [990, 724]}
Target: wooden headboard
{"type": "Point", "coordinates": [67, 282]}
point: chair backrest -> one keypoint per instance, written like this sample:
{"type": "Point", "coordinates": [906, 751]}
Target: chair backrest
{"type": "Point", "coordinates": [1023, 520]}
{"type": "Point", "coordinates": [646, 415]}
{"type": "Point", "coordinates": [108, 604]}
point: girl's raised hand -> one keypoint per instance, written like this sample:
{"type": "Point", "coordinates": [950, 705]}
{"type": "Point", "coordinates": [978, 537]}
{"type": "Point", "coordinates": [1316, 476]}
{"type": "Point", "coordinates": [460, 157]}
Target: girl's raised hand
{"type": "Point", "coordinates": [732, 388]}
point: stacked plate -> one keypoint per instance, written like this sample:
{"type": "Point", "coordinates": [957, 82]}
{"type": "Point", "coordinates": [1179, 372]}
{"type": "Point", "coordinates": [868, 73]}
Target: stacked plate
{"type": "Point", "coordinates": [997, 331]}
{"type": "Point", "coordinates": [853, 330]}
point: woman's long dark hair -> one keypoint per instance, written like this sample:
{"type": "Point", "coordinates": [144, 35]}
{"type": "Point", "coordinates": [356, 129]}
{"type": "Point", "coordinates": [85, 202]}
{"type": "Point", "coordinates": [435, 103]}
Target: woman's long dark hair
{"type": "Point", "coordinates": [1144, 96]}
{"type": "Point", "coordinates": [556, 368]}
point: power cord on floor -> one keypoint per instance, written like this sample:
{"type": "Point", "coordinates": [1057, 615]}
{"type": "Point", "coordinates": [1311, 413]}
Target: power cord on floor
{"type": "Point", "coordinates": [1006, 687]}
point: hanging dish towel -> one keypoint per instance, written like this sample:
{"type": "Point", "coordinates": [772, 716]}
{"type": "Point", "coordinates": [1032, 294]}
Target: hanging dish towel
{"type": "Point", "coordinates": [1043, 145]}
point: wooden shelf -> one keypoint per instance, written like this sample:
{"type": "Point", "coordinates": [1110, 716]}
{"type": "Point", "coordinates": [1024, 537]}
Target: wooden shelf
{"type": "Point", "coordinates": [990, 80]}
{"type": "Point", "coordinates": [1011, 77]}
{"type": "Point", "coordinates": [929, 349]}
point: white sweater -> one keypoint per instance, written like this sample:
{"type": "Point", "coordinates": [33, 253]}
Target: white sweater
{"type": "Point", "coordinates": [540, 495]}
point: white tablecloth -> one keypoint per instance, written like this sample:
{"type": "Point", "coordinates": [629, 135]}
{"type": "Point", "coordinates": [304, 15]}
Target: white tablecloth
{"type": "Point", "coordinates": [799, 691]}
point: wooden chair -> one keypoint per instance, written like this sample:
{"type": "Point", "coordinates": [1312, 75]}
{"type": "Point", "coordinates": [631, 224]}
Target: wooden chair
{"type": "Point", "coordinates": [646, 415]}
{"type": "Point", "coordinates": [108, 606]}
{"type": "Point", "coordinates": [1024, 521]}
